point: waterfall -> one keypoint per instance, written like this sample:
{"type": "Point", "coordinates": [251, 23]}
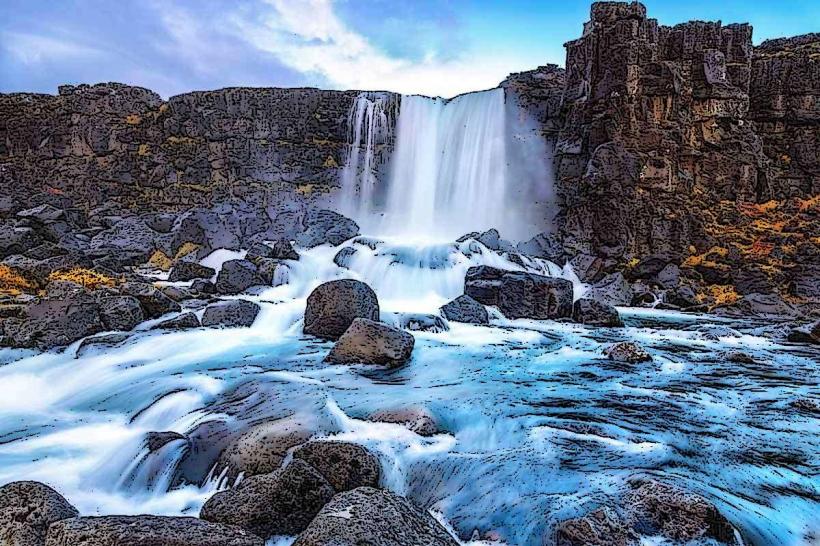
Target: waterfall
{"type": "Point", "coordinates": [455, 168]}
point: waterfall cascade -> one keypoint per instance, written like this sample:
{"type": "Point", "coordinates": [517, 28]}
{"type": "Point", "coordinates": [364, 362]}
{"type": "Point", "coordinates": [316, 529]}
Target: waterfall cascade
{"type": "Point", "coordinates": [451, 171]}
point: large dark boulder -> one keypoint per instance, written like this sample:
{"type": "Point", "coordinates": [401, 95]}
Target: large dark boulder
{"type": "Point", "coordinates": [147, 531]}
{"type": "Point", "coordinates": [257, 251]}
{"type": "Point", "coordinates": [121, 312]}
{"type": "Point", "coordinates": [283, 250]}
{"type": "Point", "coordinates": [207, 228]}
{"type": "Point", "coordinates": [153, 302]}
{"type": "Point", "coordinates": [656, 508]}
{"type": "Point", "coordinates": [129, 234]}
{"type": "Point", "coordinates": [262, 448]}
{"type": "Point", "coordinates": [183, 321]}
{"type": "Point", "coordinates": [237, 276]}
{"type": "Point", "coordinates": [544, 245]}
{"type": "Point", "coordinates": [627, 351]}
{"type": "Point", "coordinates": [274, 272]}
{"type": "Point", "coordinates": [416, 418]}
{"type": "Point", "coordinates": [344, 465]}
{"type": "Point", "coordinates": [613, 289]}
{"type": "Point", "coordinates": [188, 271]}
{"type": "Point", "coordinates": [230, 314]}
{"type": "Point", "coordinates": [465, 309]}
{"type": "Point", "coordinates": [376, 518]}
{"type": "Point", "coordinates": [17, 240]}
{"type": "Point", "coordinates": [26, 511]}
{"type": "Point", "coordinates": [518, 294]}
{"type": "Point", "coordinates": [281, 503]}
{"type": "Point", "coordinates": [332, 307]}
{"type": "Point", "coordinates": [808, 333]}
{"type": "Point", "coordinates": [595, 313]}
{"type": "Point", "coordinates": [54, 323]}
{"type": "Point", "coordinates": [370, 342]}
{"type": "Point", "coordinates": [326, 227]}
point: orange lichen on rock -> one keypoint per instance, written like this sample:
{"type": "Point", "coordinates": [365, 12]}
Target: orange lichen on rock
{"type": "Point", "coordinates": [718, 294]}
{"type": "Point", "coordinates": [133, 119]}
{"type": "Point", "coordinates": [185, 249]}
{"type": "Point", "coordinates": [85, 277]}
{"type": "Point", "coordinates": [13, 283]}
{"type": "Point", "coordinates": [160, 260]}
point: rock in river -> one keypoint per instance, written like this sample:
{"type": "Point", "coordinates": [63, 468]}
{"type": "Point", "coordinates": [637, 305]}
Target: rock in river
{"type": "Point", "coordinates": [369, 342]}
{"type": "Point", "coordinates": [332, 307]}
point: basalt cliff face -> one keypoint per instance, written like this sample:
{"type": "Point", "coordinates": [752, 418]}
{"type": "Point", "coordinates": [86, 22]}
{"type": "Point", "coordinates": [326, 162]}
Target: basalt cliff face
{"type": "Point", "coordinates": [681, 145]}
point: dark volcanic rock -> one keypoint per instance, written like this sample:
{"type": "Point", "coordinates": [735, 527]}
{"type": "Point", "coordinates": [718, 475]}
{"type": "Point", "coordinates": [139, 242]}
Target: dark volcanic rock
{"type": "Point", "coordinates": [259, 250]}
{"type": "Point", "coordinates": [147, 531]}
{"type": "Point", "coordinates": [180, 322]}
{"type": "Point", "coordinates": [230, 314]}
{"type": "Point", "coordinates": [281, 503]}
{"type": "Point", "coordinates": [595, 313]}
{"type": "Point", "coordinates": [26, 511]}
{"type": "Point", "coordinates": [343, 257]}
{"type": "Point", "coordinates": [544, 245]}
{"type": "Point", "coordinates": [326, 226]}
{"type": "Point", "coordinates": [203, 287]}
{"type": "Point", "coordinates": [808, 333]}
{"type": "Point", "coordinates": [603, 527]}
{"type": "Point", "coordinates": [237, 276]}
{"type": "Point", "coordinates": [130, 234]}
{"type": "Point", "coordinates": [656, 508]}
{"type": "Point", "coordinates": [54, 323]}
{"type": "Point", "coordinates": [332, 307]}
{"type": "Point", "coordinates": [374, 517]}
{"type": "Point", "coordinates": [153, 302]}
{"type": "Point", "coordinates": [101, 342]}
{"type": "Point", "coordinates": [188, 271]}
{"type": "Point", "coordinates": [417, 419]}
{"type": "Point", "coordinates": [465, 309]}
{"type": "Point", "coordinates": [369, 342]}
{"type": "Point", "coordinates": [613, 289]}
{"type": "Point", "coordinates": [344, 465]}
{"type": "Point", "coordinates": [626, 351]}
{"type": "Point", "coordinates": [157, 440]}
{"type": "Point", "coordinates": [520, 295]}
{"type": "Point", "coordinates": [121, 312]}
{"type": "Point", "coordinates": [283, 250]}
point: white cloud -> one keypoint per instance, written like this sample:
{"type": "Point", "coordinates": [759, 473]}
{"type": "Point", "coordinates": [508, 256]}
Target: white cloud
{"type": "Point", "coordinates": [34, 48]}
{"type": "Point", "coordinates": [308, 36]}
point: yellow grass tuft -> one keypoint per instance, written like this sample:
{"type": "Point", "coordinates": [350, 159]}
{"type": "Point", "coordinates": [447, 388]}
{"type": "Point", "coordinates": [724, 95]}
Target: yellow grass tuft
{"type": "Point", "coordinates": [84, 277]}
{"type": "Point", "coordinates": [133, 119]}
{"type": "Point", "coordinates": [160, 260]}
{"type": "Point", "coordinates": [186, 249]}
{"type": "Point", "coordinates": [13, 283]}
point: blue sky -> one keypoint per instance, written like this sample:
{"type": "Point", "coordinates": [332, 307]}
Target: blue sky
{"type": "Point", "coordinates": [434, 47]}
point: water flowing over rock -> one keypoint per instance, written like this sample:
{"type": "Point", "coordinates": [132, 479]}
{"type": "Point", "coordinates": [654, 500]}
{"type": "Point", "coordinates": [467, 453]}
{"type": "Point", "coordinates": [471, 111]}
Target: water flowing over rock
{"type": "Point", "coordinates": [518, 294]}
{"type": "Point", "coordinates": [230, 314]}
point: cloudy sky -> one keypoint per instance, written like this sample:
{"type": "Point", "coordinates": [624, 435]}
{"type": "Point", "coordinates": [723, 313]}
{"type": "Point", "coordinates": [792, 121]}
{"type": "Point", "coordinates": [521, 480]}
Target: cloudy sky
{"type": "Point", "coordinates": [433, 47]}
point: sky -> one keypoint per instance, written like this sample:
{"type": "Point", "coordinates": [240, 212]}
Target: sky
{"type": "Point", "coordinates": [431, 47]}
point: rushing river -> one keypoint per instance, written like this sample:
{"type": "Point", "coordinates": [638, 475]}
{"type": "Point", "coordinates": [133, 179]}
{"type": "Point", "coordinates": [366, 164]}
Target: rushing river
{"type": "Point", "coordinates": [537, 425]}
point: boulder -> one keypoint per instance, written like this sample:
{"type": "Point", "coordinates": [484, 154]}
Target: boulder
{"type": "Point", "coordinates": [595, 313]}
{"type": "Point", "coordinates": [589, 269]}
{"type": "Point", "coordinates": [230, 314]}
{"type": "Point", "coordinates": [188, 271]}
{"type": "Point", "coordinates": [326, 227]}
{"type": "Point", "coordinates": [626, 351]}
{"type": "Point", "coordinates": [26, 511]}
{"type": "Point", "coordinates": [344, 465]}
{"type": "Point", "coordinates": [760, 305]}
{"type": "Point", "coordinates": [101, 342]}
{"type": "Point", "coordinates": [280, 503]}
{"type": "Point", "coordinates": [283, 250]}
{"type": "Point", "coordinates": [259, 250]}
{"type": "Point", "coordinates": [465, 309]}
{"type": "Point", "coordinates": [155, 441]}
{"type": "Point", "coordinates": [668, 277]}
{"type": "Point", "coordinates": [603, 527]}
{"type": "Point", "coordinates": [376, 518]}
{"type": "Point", "coordinates": [613, 289]}
{"type": "Point", "coordinates": [518, 294]}
{"type": "Point", "coordinates": [147, 531]}
{"type": "Point", "coordinates": [344, 256]}
{"type": "Point", "coordinates": [153, 302]}
{"type": "Point", "coordinates": [121, 312]}
{"type": "Point", "coordinates": [656, 508]}
{"type": "Point", "coordinates": [161, 222]}
{"type": "Point", "coordinates": [369, 342]}
{"type": "Point", "coordinates": [129, 234]}
{"type": "Point", "coordinates": [416, 418]}
{"type": "Point", "coordinates": [203, 287]}
{"type": "Point", "coordinates": [207, 228]}
{"type": "Point", "coordinates": [332, 307]}
{"type": "Point", "coordinates": [274, 272]}
{"type": "Point", "coordinates": [237, 276]}
{"type": "Point", "coordinates": [262, 448]}
{"type": "Point", "coordinates": [17, 240]}
{"type": "Point", "coordinates": [42, 213]}
{"type": "Point", "coordinates": [54, 323]}
{"type": "Point", "coordinates": [544, 245]}
{"type": "Point", "coordinates": [206, 441]}
{"type": "Point", "coordinates": [808, 333]}
{"type": "Point", "coordinates": [183, 321]}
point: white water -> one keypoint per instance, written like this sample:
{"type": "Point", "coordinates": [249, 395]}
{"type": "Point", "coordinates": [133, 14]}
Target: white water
{"type": "Point", "coordinates": [451, 171]}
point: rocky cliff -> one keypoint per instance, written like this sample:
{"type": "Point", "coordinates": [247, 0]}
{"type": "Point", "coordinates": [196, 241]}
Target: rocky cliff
{"type": "Point", "coordinates": [679, 145]}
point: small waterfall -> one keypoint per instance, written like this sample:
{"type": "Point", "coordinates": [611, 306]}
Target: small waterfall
{"type": "Point", "coordinates": [450, 171]}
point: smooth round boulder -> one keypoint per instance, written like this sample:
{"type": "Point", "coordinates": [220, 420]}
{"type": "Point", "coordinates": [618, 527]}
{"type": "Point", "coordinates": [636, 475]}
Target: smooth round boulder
{"type": "Point", "coordinates": [603, 527]}
{"type": "Point", "coordinates": [465, 309]}
{"type": "Point", "coordinates": [376, 518]}
{"type": "Point", "coordinates": [153, 302]}
{"type": "Point", "coordinates": [262, 449]}
{"type": "Point", "coordinates": [344, 465]}
{"type": "Point", "coordinates": [281, 503]}
{"type": "Point", "coordinates": [27, 509]}
{"type": "Point", "coordinates": [369, 342]}
{"type": "Point", "coordinates": [332, 307]}
{"type": "Point", "coordinates": [230, 314]}
{"type": "Point", "coordinates": [595, 313]}
{"type": "Point", "coordinates": [147, 531]}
